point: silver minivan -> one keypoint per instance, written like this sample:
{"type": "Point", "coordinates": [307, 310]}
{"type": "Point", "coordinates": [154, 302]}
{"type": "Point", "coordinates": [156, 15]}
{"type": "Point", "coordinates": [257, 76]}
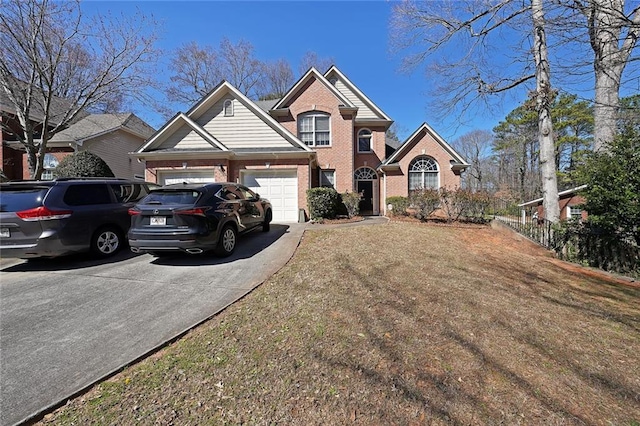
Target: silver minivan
{"type": "Point", "coordinates": [63, 216]}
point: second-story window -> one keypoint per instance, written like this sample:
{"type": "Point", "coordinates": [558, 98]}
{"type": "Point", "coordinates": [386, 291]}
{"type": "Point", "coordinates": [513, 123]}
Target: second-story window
{"type": "Point", "coordinates": [228, 108]}
{"type": "Point", "coordinates": [314, 129]}
{"type": "Point", "coordinates": [364, 140]}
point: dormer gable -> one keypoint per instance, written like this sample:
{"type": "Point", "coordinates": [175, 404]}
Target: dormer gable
{"type": "Point", "coordinates": [457, 162]}
{"type": "Point", "coordinates": [182, 133]}
{"type": "Point", "coordinates": [369, 114]}
{"type": "Point", "coordinates": [282, 107]}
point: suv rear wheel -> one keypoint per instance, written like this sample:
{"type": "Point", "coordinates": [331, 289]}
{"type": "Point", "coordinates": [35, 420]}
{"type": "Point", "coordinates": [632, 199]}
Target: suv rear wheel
{"type": "Point", "coordinates": [106, 241]}
{"type": "Point", "coordinates": [227, 242]}
{"type": "Point", "coordinates": [267, 220]}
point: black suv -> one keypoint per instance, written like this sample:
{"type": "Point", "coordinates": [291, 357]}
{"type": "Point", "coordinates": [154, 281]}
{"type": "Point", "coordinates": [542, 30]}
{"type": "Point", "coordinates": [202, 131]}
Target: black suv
{"type": "Point", "coordinates": [63, 216]}
{"type": "Point", "coordinates": [194, 218]}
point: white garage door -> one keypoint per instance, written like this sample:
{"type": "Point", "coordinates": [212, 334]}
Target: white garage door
{"type": "Point", "coordinates": [200, 176]}
{"type": "Point", "coordinates": [280, 187]}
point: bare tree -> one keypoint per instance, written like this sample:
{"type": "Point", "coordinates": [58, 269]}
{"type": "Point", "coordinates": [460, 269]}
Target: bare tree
{"type": "Point", "coordinates": [56, 66]}
{"type": "Point", "coordinates": [468, 74]}
{"type": "Point", "coordinates": [613, 35]}
{"type": "Point", "coordinates": [311, 59]}
{"type": "Point", "coordinates": [475, 147]}
{"type": "Point", "coordinates": [195, 72]}
{"type": "Point", "coordinates": [239, 65]}
{"type": "Point", "coordinates": [277, 79]}
{"type": "Point", "coordinates": [544, 97]}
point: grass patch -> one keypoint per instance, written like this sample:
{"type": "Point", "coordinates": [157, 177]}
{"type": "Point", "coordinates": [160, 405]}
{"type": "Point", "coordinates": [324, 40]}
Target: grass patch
{"type": "Point", "coordinates": [397, 324]}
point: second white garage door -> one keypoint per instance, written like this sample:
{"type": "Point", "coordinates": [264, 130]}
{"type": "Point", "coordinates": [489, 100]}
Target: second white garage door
{"type": "Point", "coordinates": [280, 187]}
{"type": "Point", "coordinates": [168, 177]}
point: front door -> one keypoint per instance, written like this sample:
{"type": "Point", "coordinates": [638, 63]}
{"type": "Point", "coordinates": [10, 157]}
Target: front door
{"type": "Point", "coordinates": [365, 187]}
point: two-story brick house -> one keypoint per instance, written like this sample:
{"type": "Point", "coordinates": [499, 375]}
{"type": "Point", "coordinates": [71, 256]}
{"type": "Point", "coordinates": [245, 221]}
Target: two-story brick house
{"type": "Point", "coordinates": [323, 132]}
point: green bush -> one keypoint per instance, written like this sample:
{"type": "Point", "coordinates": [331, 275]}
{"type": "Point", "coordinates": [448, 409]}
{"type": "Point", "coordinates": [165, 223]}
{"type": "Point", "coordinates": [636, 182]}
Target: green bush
{"type": "Point", "coordinates": [323, 203]}
{"type": "Point", "coordinates": [351, 201]}
{"type": "Point", "coordinates": [399, 205]}
{"type": "Point", "coordinates": [82, 164]}
{"type": "Point", "coordinates": [612, 194]}
{"type": "Point", "coordinates": [425, 201]}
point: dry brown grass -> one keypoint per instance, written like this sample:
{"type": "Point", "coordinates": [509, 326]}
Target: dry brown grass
{"type": "Point", "coordinates": [400, 324]}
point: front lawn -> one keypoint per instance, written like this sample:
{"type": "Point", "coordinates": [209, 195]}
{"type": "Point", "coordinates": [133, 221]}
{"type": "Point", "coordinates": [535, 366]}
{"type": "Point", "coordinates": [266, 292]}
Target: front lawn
{"type": "Point", "coordinates": [398, 324]}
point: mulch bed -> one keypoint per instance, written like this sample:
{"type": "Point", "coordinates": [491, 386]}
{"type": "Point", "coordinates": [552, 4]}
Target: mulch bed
{"type": "Point", "coordinates": [438, 222]}
{"type": "Point", "coordinates": [337, 221]}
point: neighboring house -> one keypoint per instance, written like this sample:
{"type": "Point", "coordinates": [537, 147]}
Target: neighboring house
{"type": "Point", "coordinates": [110, 136]}
{"type": "Point", "coordinates": [323, 132]}
{"type": "Point", "coordinates": [570, 205]}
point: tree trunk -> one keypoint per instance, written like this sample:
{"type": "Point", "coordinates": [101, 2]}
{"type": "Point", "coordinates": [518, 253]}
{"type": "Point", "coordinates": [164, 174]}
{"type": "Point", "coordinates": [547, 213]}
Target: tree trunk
{"type": "Point", "coordinates": [611, 53]}
{"type": "Point", "coordinates": [605, 109]}
{"type": "Point", "coordinates": [550, 200]}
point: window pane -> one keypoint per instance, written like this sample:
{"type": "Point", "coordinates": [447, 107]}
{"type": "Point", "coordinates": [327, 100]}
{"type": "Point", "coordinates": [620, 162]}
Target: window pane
{"type": "Point", "coordinates": [228, 108]}
{"type": "Point", "coordinates": [85, 195]}
{"type": "Point", "coordinates": [322, 124]}
{"type": "Point", "coordinates": [431, 180]}
{"type": "Point", "coordinates": [322, 138]}
{"type": "Point", "coordinates": [306, 124]}
{"type": "Point", "coordinates": [327, 178]}
{"type": "Point", "coordinates": [415, 181]}
{"type": "Point", "coordinates": [307, 138]}
{"type": "Point", "coordinates": [364, 144]}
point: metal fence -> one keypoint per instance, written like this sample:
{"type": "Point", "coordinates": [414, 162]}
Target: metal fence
{"type": "Point", "coordinates": [538, 230]}
{"type": "Point", "coordinates": [576, 242]}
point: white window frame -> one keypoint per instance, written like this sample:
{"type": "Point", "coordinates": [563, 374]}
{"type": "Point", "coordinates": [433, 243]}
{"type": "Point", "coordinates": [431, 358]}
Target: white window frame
{"type": "Point", "coordinates": [423, 172]}
{"type": "Point", "coordinates": [574, 212]}
{"type": "Point", "coordinates": [369, 136]}
{"type": "Point", "coordinates": [326, 173]}
{"type": "Point", "coordinates": [313, 131]}
{"type": "Point", "coordinates": [228, 108]}
{"type": "Point", "coordinates": [50, 163]}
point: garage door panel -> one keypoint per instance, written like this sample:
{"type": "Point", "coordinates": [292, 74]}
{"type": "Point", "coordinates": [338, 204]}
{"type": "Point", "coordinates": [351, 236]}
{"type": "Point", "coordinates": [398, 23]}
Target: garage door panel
{"type": "Point", "coordinates": [280, 187]}
{"type": "Point", "coordinates": [168, 178]}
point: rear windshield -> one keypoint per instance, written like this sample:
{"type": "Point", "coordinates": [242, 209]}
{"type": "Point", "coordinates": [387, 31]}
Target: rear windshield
{"type": "Point", "coordinates": [15, 200]}
{"type": "Point", "coordinates": [171, 197]}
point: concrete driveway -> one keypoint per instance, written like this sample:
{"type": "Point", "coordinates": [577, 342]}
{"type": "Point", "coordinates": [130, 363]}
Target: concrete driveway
{"type": "Point", "coordinates": [66, 323]}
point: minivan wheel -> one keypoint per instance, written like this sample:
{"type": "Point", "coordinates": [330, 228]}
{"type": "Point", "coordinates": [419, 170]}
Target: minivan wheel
{"type": "Point", "coordinates": [106, 241]}
{"type": "Point", "coordinates": [227, 243]}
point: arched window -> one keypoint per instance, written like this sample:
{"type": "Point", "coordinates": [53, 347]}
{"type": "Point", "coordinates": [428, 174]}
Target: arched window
{"type": "Point", "coordinates": [365, 173]}
{"type": "Point", "coordinates": [314, 129]}
{"type": "Point", "coordinates": [423, 174]}
{"type": "Point", "coordinates": [228, 108]}
{"type": "Point", "coordinates": [364, 140]}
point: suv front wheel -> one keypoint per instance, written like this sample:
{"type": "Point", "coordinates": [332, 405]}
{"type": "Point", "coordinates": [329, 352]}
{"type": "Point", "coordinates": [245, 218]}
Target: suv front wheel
{"type": "Point", "coordinates": [106, 241]}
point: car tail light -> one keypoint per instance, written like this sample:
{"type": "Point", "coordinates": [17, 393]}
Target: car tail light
{"type": "Point", "coordinates": [134, 212]}
{"type": "Point", "coordinates": [199, 211]}
{"type": "Point", "coordinates": [43, 213]}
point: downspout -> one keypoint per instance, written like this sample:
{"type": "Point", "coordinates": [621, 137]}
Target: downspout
{"type": "Point", "coordinates": [384, 193]}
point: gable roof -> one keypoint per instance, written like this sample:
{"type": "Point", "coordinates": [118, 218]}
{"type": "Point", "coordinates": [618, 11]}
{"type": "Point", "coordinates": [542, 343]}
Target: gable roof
{"type": "Point", "coordinates": [203, 105]}
{"type": "Point", "coordinates": [561, 194]}
{"type": "Point", "coordinates": [313, 73]}
{"type": "Point", "coordinates": [96, 125]}
{"type": "Point", "coordinates": [406, 146]}
{"type": "Point", "coordinates": [175, 123]}
{"type": "Point", "coordinates": [57, 110]}
{"type": "Point", "coordinates": [358, 93]}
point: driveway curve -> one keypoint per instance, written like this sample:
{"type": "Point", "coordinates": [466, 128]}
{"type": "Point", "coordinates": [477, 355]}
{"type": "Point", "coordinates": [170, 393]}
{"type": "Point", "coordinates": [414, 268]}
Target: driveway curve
{"type": "Point", "coordinates": [68, 323]}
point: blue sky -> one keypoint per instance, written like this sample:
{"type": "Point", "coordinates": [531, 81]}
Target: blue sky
{"type": "Point", "coordinates": [355, 34]}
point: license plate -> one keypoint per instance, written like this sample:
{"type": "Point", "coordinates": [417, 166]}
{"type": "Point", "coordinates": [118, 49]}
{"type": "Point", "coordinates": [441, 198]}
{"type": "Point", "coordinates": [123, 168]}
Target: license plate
{"type": "Point", "coordinates": [158, 220]}
{"type": "Point", "coordinates": [4, 232]}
